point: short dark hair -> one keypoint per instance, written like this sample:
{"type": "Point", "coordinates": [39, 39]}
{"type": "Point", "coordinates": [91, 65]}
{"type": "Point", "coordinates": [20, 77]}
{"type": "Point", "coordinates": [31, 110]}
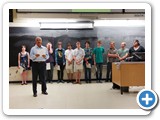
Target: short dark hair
{"type": "Point", "coordinates": [59, 43]}
{"type": "Point", "coordinates": [87, 42]}
{"type": "Point", "coordinates": [99, 41]}
{"type": "Point", "coordinates": [112, 42]}
{"type": "Point", "coordinates": [78, 42]}
{"type": "Point", "coordinates": [137, 42]}
{"type": "Point", "coordinates": [38, 38]}
{"type": "Point", "coordinates": [23, 46]}
{"type": "Point", "coordinates": [69, 44]}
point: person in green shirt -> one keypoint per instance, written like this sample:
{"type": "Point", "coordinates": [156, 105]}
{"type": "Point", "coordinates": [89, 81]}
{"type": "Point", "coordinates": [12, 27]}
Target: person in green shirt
{"type": "Point", "coordinates": [98, 60]}
{"type": "Point", "coordinates": [123, 52]}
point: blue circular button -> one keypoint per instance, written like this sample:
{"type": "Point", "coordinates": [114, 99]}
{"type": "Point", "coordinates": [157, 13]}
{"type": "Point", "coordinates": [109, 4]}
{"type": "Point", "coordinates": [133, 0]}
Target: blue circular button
{"type": "Point", "coordinates": [147, 99]}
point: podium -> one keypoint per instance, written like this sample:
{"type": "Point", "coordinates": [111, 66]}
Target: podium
{"type": "Point", "coordinates": [127, 74]}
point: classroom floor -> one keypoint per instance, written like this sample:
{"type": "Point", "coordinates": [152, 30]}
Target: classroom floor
{"type": "Point", "coordinates": [72, 96]}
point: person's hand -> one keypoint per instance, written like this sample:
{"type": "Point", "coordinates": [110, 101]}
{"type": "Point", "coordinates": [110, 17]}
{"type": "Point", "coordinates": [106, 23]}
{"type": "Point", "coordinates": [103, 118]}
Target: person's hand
{"type": "Point", "coordinates": [95, 63]}
{"type": "Point", "coordinates": [117, 55]}
{"type": "Point", "coordinates": [120, 59]}
{"type": "Point", "coordinates": [69, 62]}
{"type": "Point", "coordinates": [37, 55]}
{"type": "Point", "coordinates": [50, 45]}
{"type": "Point", "coordinates": [44, 56]}
{"type": "Point", "coordinates": [28, 66]}
{"type": "Point", "coordinates": [76, 62]}
{"type": "Point", "coordinates": [87, 62]}
{"type": "Point", "coordinates": [18, 67]}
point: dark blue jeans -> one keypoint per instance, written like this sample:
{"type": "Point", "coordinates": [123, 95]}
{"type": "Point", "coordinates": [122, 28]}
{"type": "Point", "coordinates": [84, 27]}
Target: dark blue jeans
{"type": "Point", "coordinates": [99, 71]}
{"type": "Point", "coordinates": [49, 73]}
{"type": "Point", "coordinates": [109, 71]}
{"type": "Point", "coordinates": [60, 72]}
{"type": "Point", "coordinates": [87, 74]}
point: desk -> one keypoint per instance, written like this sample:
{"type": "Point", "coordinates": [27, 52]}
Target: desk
{"type": "Point", "coordinates": [127, 74]}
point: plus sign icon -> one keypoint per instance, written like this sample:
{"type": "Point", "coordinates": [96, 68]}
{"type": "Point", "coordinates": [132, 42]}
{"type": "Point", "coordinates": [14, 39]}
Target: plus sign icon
{"type": "Point", "coordinates": [147, 99]}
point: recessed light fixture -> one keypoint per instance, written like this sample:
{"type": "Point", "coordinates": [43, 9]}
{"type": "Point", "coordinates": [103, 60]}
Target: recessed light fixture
{"type": "Point", "coordinates": [66, 25]}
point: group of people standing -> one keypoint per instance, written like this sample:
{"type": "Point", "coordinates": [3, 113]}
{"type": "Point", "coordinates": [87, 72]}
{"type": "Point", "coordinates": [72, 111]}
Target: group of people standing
{"type": "Point", "coordinates": [74, 61]}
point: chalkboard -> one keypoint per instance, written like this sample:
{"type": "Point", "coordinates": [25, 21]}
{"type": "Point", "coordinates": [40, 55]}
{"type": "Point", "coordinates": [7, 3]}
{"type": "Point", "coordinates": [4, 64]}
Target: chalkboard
{"type": "Point", "coordinates": [26, 36]}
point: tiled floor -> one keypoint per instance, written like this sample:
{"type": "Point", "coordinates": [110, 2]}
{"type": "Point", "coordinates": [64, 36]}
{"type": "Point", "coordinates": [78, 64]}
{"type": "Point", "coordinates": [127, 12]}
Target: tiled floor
{"type": "Point", "coordinates": [72, 96]}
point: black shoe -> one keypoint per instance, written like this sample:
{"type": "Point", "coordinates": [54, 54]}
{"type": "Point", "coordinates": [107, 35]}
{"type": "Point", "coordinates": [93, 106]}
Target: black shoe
{"type": "Point", "coordinates": [100, 81]}
{"type": "Point", "coordinates": [115, 86]}
{"type": "Point", "coordinates": [118, 87]}
{"type": "Point", "coordinates": [62, 81]}
{"type": "Point", "coordinates": [58, 81]}
{"type": "Point", "coordinates": [125, 89]}
{"type": "Point", "coordinates": [45, 93]}
{"type": "Point", "coordinates": [35, 95]}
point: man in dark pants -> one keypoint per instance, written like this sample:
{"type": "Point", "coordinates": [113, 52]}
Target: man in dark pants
{"type": "Point", "coordinates": [98, 60]}
{"type": "Point", "coordinates": [39, 55]}
{"type": "Point", "coordinates": [112, 56]}
{"type": "Point", "coordinates": [60, 61]}
{"type": "Point", "coordinates": [109, 72]}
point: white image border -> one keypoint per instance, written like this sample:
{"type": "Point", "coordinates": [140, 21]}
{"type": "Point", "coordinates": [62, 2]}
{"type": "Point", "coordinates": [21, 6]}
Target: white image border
{"type": "Point", "coordinates": [5, 74]}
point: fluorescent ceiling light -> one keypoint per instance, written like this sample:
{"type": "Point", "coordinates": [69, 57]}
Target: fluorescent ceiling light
{"type": "Point", "coordinates": [120, 23]}
{"type": "Point", "coordinates": [66, 25]}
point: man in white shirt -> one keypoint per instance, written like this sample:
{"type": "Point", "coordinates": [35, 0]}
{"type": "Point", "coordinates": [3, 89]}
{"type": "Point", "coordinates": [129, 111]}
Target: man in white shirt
{"type": "Point", "coordinates": [69, 54]}
{"type": "Point", "coordinates": [78, 63]}
{"type": "Point", "coordinates": [39, 55]}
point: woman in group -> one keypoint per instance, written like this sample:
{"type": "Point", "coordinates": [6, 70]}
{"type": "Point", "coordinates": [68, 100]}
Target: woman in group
{"type": "Point", "coordinates": [88, 61]}
{"type": "Point", "coordinates": [49, 63]}
{"type": "Point", "coordinates": [24, 62]}
{"type": "Point", "coordinates": [136, 48]}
